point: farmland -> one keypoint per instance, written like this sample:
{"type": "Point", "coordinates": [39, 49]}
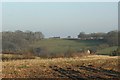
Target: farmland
{"type": "Point", "coordinates": [59, 40]}
{"type": "Point", "coordinates": [85, 67]}
{"type": "Point", "coordinates": [65, 45]}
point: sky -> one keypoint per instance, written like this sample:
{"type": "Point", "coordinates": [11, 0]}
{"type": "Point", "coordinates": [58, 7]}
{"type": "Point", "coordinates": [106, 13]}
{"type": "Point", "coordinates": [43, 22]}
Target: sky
{"type": "Point", "coordinates": [60, 18]}
{"type": "Point", "coordinates": [60, 0]}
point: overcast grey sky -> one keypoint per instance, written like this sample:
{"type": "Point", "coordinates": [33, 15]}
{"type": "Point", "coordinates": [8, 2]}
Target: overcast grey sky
{"type": "Point", "coordinates": [60, 18]}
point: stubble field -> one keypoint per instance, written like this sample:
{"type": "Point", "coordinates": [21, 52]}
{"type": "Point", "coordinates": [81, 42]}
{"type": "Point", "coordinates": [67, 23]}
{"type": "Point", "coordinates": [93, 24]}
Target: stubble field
{"type": "Point", "coordinates": [85, 67]}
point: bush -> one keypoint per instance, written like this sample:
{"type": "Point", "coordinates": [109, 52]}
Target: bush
{"type": "Point", "coordinates": [116, 52]}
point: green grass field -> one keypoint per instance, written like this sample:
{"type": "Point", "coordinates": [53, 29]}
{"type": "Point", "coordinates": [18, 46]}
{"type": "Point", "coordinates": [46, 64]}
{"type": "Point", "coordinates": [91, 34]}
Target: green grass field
{"type": "Point", "coordinates": [107, 50]}
{"type": "Point", "coordinates": [64, 45]}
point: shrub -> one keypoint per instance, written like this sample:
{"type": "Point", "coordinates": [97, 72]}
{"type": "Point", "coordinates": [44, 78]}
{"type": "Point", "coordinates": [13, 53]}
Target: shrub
{"type": "Point", "coordinates": [116, 52]}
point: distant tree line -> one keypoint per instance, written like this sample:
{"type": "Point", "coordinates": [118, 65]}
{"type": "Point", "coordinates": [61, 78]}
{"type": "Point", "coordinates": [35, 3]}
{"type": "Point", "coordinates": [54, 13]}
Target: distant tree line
{"type": "Point", "coordinates": [19, 41]}
{"type": "Point", "coordinates": [111, 37]}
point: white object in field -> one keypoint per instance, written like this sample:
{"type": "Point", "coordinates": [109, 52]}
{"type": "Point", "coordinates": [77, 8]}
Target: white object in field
{"type": "Point", "coordinates": [88, 51]}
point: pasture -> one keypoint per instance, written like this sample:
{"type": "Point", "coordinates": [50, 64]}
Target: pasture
{"type": "Point", "coordinates": [57, 46]}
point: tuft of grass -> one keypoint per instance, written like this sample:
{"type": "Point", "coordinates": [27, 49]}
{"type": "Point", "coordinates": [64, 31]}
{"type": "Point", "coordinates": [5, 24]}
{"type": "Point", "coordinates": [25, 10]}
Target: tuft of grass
{"type": "Point", "coordinates": [23, 66]}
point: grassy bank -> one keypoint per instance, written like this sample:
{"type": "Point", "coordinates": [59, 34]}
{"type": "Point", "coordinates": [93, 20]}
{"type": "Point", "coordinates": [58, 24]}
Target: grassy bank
{"type": "Point", "coordinates": [107, 51]}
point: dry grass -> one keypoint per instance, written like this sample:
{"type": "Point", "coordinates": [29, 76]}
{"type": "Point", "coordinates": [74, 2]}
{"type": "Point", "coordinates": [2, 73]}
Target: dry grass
{"type": "Point", "coordinates": [7, 57]}
{"type": "Point", "coordinates": [38, 67]}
